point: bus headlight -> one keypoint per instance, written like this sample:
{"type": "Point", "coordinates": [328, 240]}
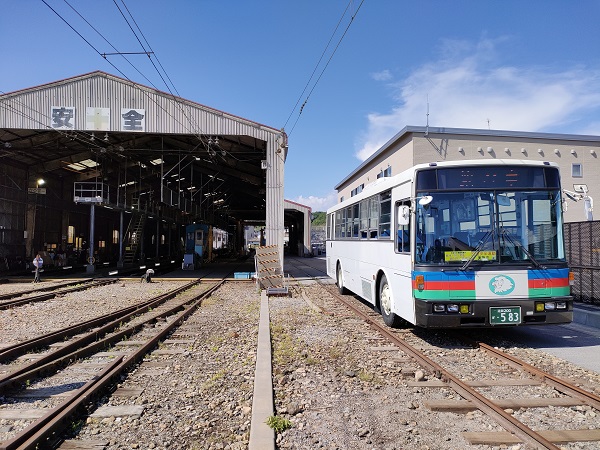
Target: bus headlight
{"type": "Point", "coordinates": [561, 305]}
{"type": "Point", "coordinates": [539, 307]}
{"type": "Point", "coordinates": [452, 308]}
{"type": "Point", "coordinates": [550, 306]}
{"type": "Point", "coordinates": [439, 308]}
{"type": "Point", "coordinates": [464, 309]}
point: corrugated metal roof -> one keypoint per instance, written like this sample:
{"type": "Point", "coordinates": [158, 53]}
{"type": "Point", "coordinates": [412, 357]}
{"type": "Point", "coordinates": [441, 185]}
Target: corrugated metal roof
{"type": "Point", "coordinates": [30, 108]}
{"type": "Point", "coordinates": [177, 132]}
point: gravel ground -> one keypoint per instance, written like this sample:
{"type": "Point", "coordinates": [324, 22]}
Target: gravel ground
{"type": "Point", "coordinates": [343, 388]}
{"type": "Point", "coordinates": [28, 321]}
{"type": "Point", "coordinates": [200, 395]}
{"type": "Point", "coordinates": [338, 385]}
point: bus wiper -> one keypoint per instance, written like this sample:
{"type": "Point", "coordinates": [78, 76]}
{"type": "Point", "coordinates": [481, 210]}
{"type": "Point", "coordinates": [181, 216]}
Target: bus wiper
{"type": "Point", "coordinates": [482, 242]}
{"type": "Point", "coordinates": [518, 244]}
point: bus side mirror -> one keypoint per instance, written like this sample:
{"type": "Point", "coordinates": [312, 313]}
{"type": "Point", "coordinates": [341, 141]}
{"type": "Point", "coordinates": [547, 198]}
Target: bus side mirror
{"type": "Point", "coordinates": [403, 214]}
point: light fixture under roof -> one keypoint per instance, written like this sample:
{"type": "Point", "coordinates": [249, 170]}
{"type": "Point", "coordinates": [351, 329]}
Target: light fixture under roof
{"type": "Point", "coordinates": [82, 165]}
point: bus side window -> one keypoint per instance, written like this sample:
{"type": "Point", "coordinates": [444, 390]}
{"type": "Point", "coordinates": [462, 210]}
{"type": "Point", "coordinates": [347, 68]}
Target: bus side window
{"type": "Point", "coordinates": [403, 226]}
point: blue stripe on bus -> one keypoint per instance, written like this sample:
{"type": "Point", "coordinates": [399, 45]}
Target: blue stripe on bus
{"type": "Point", "coordinates": [534, 274]}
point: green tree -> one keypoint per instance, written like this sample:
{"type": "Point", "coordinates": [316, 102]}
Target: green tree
{"type": "Point", "coordinates": [319, 218]}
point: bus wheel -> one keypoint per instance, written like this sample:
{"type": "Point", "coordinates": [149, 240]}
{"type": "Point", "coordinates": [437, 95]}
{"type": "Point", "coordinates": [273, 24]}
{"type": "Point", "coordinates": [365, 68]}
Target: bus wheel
{"type": "Point", "coordinates": [340, 281]}
{"type": "Point", "coordinates": [385, 303]}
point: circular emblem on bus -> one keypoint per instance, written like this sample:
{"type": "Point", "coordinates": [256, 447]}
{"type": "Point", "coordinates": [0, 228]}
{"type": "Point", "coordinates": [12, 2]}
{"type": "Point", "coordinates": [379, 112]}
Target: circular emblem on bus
{"type": "Point", "coordinates": [502, 285]}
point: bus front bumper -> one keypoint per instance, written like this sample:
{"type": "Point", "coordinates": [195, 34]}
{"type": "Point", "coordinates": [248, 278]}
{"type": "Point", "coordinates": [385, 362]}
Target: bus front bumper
{"type": "Point", "coordinates": [483, 313]}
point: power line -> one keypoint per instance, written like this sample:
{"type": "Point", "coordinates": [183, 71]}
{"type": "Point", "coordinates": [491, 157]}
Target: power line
{"type": "Point", "coordinates": [326, 65]}
{"type": "Point", "coordinates": [109, 43]}
{"type": "Point", "coordinates": [121, 72]}
{"type": "Point", "coordinates": [151, 52]}
{"type": "Point", "coordinates": [317, 66]}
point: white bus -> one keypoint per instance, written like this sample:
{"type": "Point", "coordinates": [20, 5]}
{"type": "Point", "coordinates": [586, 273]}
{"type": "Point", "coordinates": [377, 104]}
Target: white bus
{"type": "Point", "coordinates": [456, 244]}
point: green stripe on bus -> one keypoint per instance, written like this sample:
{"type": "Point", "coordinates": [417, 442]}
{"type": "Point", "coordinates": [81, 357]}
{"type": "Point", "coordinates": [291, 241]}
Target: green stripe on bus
{"type": "Point", "coordinates": [549, 292]}
{"type": "Point", "coordinates": [444, 295]}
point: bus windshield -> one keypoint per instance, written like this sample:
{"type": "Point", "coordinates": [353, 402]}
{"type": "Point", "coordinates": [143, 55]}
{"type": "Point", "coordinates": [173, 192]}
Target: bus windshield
{"type": "Point", "coordinates": [476, 228]}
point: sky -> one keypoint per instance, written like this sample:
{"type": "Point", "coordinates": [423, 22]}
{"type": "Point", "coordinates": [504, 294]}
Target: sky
{"type": "Point", "coordinates": [341, 77]}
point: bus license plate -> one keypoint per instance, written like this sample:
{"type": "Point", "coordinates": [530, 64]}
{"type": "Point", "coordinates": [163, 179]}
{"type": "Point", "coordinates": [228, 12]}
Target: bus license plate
{"type": "Point", "coordinates": [505, 315]}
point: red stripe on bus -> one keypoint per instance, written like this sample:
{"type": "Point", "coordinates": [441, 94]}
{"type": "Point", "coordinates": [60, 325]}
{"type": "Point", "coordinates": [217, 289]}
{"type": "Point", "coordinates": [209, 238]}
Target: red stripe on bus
{"type": "Point", "coordinates": [542, 283]}
{"type": "Point", "coordinates": [447, 285]}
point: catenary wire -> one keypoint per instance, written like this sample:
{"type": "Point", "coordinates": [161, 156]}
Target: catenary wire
{"type": "Point", "coordinates": [325, 68]}
{"type": "Point", "coordinates": [150, 53]}
{"type": "Point", "coordinates": [318, 64]}
{"type": "Point", "coordinates": [121, 72]}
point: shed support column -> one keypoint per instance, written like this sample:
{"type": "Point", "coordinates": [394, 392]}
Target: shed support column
{"type": "Point", "coordinates": [90, 267]}
{"type": "Point", "coordinates": [120, 262]}
{"type": "Point", "coordinates": [169, 243]}
{"type": "Point", "coordinates": [274, 196]}
{"type": "Point", "coordinates": [157, 256]}
{"type": "Point", "coordinates": [30, 221]}
{"type": "Point", "coordinates": [239, 238]}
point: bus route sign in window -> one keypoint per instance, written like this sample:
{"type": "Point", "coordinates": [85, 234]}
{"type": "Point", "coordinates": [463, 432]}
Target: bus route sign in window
{"type": "Point", "coordinates": [495, 177]}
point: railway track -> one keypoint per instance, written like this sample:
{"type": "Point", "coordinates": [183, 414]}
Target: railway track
{"type": "Point", "coordinates": [225, 369]}
{"type": "Point", "coordinates": [100, 326]}
{"type": "Point", "coordinates": [56, 290]}
{"type": "Point", "coordinates": [529, 386]}
{"type": "Point", "coordinates": [82, 369]}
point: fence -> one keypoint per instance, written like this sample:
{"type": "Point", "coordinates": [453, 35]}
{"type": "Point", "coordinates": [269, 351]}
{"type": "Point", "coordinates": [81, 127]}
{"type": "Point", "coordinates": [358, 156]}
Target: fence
{"type": "Point", "coordinates": [582, 245]}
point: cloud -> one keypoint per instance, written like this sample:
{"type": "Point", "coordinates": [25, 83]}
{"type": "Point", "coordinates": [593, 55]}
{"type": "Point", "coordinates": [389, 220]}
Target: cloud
{"type": "Point", "coordinates": [384, 75]}
{"type": "Point", "coordinates": [467, 87]}
{"type": "Point", "coordinates": [318, 203]}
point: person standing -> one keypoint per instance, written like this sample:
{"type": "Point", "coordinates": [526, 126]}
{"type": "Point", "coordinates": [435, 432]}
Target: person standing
{"type": "Point", "coordinates": [38, 263]}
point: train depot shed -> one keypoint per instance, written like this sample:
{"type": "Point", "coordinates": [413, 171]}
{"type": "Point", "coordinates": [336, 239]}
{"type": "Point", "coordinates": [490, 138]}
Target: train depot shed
{"type": "Point", "coordinates": [100, 169]}
{"type": "Point", "coordinates": [298, 219]}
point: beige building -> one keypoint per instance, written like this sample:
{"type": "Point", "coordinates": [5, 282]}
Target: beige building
{"type": "Point", "coordinates": [576, 155]}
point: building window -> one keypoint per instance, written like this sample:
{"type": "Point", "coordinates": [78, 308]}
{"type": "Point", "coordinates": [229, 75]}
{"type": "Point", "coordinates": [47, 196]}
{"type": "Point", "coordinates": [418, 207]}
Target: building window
{"type": "Point", "coordinates": [357, 190]}
{"type": "Point", "coordinates": [70, 234]}
{"type": "Point", "coordinates": [577, 170]}
{"type": "Point", "coordinates": [115, 237]}
{"type": "Point", "coordinates": [385, 173]}
{"type": "Point", "coordinates": [101, 244]}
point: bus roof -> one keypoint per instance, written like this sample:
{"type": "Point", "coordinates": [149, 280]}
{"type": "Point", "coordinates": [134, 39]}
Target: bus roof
{"type": "Point", "coordinates": [383, 184]}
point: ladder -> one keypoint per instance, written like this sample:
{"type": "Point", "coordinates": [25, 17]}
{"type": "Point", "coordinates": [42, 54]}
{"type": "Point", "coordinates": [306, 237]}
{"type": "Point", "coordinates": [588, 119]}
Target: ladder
{"type": "Point", "coordinates": [135, 231]}
{"type": "Point", "coordinates": [269, 274]}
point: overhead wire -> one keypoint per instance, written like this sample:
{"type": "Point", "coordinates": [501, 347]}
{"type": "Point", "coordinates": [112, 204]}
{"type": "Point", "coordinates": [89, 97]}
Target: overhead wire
{"type": "Point", "coordinates": [326, 65]}
{"type": "Point", "coordinates": [192, 123]}
{"type": "Point", "coordinates": [317, 65]}
{"type": "Point", "coordinates": [109, 43]}
{"type": "Point", "coordinates": [152, 53]}
{"type": "Point", "coordinates": [151, 50]}
{"type": "Point", "coordinates": [117, 69]}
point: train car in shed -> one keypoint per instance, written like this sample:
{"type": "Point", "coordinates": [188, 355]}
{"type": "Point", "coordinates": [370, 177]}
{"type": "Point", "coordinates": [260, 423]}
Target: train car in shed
{"type": "Point", "coordinates": [203, 243]}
